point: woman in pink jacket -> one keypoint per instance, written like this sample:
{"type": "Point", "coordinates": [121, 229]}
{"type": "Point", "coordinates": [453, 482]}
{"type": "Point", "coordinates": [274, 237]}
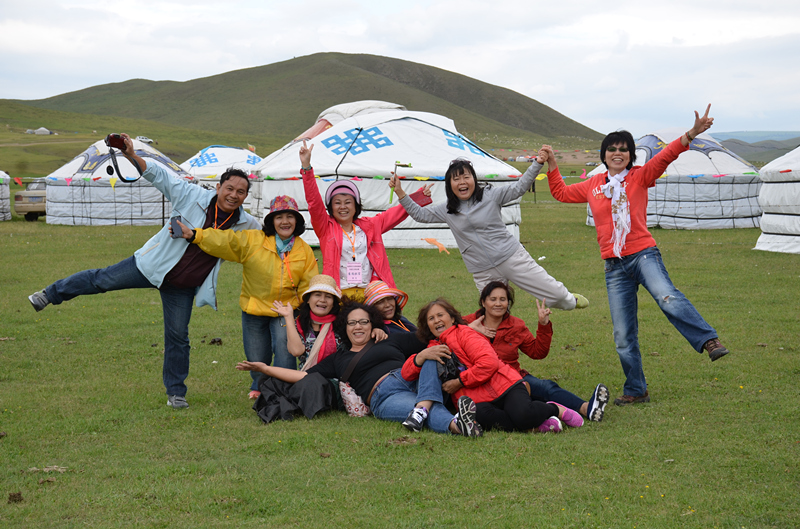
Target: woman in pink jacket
{"type": "Point", "coordinates": [500, 397]}
{"type": "Point", "coordinates": [352, 246]}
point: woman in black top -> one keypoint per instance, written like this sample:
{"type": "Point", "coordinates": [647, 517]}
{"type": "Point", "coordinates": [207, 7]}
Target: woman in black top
{"type": "Point", "coordinates": [376, 377]}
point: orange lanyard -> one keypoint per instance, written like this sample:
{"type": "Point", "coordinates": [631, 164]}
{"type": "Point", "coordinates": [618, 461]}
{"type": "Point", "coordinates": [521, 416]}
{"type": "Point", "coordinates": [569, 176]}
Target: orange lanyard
{"type": "Point", "coordinates": [289, 271]}
{"type": "Point", "coordinates": [398, 322]}
{"type": "Point", "coordinates": [216, 213]}
{"type": "Point", "coordinates": [352, 241]}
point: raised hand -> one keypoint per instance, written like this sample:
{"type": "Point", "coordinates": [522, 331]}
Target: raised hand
{"type": "Point", "coordinates": [305, 154]}
{"type": "Point", "coordinates": [544, 312]}
{"type": "Point", "coordinates": [284, 310]}
{"type": "Point", "coordinates": [702, 123]}
{"type": "Point", "coordinates": [394, 183]}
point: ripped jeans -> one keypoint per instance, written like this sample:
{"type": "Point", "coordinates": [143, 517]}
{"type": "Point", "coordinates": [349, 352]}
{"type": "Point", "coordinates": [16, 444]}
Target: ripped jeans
{"type": "Point", "coordinates": [623, 277]}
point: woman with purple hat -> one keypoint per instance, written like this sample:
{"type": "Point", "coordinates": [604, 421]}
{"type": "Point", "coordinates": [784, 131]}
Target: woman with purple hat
{"type": "Point", "coordinates": [352, 246]}
{"type": "Point", "coordinates": [277, 266]}
{"type": "Point", "coordinates": [389, 302]}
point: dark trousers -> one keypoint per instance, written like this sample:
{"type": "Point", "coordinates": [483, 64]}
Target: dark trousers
{"type": "Point", "coordinates": [514, 411]}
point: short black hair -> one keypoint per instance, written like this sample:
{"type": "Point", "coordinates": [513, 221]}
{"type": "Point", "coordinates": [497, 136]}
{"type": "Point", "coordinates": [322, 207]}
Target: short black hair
{"type": "Point", "coordinates": [423, 331]}
{"type": "Point", "coordinates": [619, 136]}
{"type": "Point", "coordinates": [458, 166]}
{"type": "Point", "coordinates": [340, 325]}
{"type": "Point", "coordinates": [232, 171]}
{"type": "Point", "coordinates": [489, 288]}
{"type": "Point", "coordinates": [269, 224]}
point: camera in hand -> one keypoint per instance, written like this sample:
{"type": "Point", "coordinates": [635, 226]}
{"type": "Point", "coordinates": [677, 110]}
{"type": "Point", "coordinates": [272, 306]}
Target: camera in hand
{"type": "Point", "coordinates": [116, 141]}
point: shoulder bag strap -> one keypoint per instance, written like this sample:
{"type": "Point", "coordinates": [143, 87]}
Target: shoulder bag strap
{"type": "Point", "coordinates": [355, 360]}
{"type": "Point", "coordinates": [311, 361]}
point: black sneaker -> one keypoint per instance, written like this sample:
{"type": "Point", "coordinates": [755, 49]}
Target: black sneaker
{"type": "Point", "coordinates": [416, 419]}
{"type": "Point", "coordinates": [465, 418]}
{"type": "Point", "coordinates": [597, 403]}
{"type": "Point", "coordinates": [715, 349]}
{"type": "Point", "coordinates": [39, 300]}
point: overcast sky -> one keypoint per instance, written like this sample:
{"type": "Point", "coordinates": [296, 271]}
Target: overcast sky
{"type": "Point", "coordinates": [608, 65]}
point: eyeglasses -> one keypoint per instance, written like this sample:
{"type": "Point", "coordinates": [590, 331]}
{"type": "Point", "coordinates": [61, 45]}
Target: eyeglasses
{"type": "Point", "coordinates": [614, 149]}
{"type": "Point", "coordinates": [353, 323]}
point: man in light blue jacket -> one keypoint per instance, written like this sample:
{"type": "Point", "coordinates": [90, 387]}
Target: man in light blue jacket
{"type": "Point", "coordinates": [180, 271]}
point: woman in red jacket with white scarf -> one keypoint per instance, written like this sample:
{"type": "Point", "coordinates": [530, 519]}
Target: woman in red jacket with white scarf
{"type": "Point", "coordinates": [618, 200]}
{"type": "Point", "coordinates": [500, 397]}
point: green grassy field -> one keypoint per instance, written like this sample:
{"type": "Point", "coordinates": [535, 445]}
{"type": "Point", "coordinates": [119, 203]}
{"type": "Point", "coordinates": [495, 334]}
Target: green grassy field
{"type": "Point", "coordinates": [80, 390]}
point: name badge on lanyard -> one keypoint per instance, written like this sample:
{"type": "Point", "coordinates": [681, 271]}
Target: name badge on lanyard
{"type": "Point", "coordinates": [354, 274]}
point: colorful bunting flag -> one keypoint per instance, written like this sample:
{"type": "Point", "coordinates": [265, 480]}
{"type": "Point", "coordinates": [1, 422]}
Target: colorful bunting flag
{"type": "Point", "coordinates": [18, 180]}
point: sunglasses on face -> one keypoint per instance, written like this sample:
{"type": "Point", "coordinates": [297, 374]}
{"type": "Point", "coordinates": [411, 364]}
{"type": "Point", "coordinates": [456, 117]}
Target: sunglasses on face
{"type": "Point", "coordinates": [353, 323]}
{"type": "Point", "coordinates": [614, 149]}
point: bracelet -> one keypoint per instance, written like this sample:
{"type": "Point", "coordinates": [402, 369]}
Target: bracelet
{"type": "Point", "coordinates": [415, 361]}
{"type": "Point", "coordinates": [305, 168]}
{"type": "Point", "coordinates": [194, 234]}
{"type": "Point", "coordinates": [689, 137]}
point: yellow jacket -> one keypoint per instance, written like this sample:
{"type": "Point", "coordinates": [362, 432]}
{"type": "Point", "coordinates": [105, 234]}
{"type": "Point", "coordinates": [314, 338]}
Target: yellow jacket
{"type": "Point", "coordinates": [265, 277]}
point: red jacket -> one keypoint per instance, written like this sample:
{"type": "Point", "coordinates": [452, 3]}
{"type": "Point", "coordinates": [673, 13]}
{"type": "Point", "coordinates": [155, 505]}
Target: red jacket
{"type": "Point", "coordinates": [486, 377]}
{"type": "Point", "coordinates": [638, 180]}
{"type": "Point", "coordinates": [330, 232]}
{"type": "Point", "coordinates": [514, 336]}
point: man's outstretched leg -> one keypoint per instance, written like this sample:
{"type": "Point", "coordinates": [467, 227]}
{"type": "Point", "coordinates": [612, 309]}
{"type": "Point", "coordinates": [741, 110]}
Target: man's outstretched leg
{"type": "Point", "coordinates": [120, 276]}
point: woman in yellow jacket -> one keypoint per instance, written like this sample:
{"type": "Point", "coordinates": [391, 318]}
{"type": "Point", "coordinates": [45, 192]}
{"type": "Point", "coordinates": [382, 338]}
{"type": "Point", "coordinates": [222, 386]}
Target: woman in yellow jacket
{"type": "Point", "coordinates": [277, 266]}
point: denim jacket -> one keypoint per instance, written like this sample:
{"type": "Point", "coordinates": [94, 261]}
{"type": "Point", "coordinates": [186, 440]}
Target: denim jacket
{"type": "Point", "coordinates": [161, 253]}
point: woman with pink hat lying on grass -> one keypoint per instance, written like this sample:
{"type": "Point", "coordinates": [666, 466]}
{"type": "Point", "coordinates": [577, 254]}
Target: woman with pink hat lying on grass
{"type": "Point", "coordinates": [352, 247]}
{"type": "Point", "coordinates": [277, 266]}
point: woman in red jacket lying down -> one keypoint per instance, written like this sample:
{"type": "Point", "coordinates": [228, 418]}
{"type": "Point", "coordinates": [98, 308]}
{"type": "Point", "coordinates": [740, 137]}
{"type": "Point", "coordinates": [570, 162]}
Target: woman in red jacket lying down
{"type": "Point", "coordinates": [500, 397]}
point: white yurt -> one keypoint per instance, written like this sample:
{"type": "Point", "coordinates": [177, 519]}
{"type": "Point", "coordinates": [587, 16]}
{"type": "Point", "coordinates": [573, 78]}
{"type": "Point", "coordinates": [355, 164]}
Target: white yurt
{"type": "Point", "coordinates": [87, 191]}
{"type": "Point", "coordinates": [5, 196]}
{"type": "Point", "coordinates": [208, 165]}
{"type": "Point", "coordinates": [780, 200]}
{"type": "Point", "coordinates": [364, 141]}
{"type": "Point", "coordinates": [707, 187]}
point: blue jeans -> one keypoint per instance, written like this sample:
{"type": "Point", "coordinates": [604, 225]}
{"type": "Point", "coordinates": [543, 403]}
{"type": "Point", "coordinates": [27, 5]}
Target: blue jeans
{"type": "Point", "coordinates": [623, 277]}
{"type": "Point", "coordinates": [547, 390]}
{"type": "Point", "coordinates": [394, 398]}
{"type": "Point", "coordinates": [263, 337]}
{"type": "Point", "coordinates": [176, 304]}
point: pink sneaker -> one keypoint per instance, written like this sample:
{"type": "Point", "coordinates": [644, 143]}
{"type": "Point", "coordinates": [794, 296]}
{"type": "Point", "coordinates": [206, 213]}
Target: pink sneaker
{"type": "Point", "coordinates": [550, 425]}
{"type": "Point", "coordinates": [570, 417]}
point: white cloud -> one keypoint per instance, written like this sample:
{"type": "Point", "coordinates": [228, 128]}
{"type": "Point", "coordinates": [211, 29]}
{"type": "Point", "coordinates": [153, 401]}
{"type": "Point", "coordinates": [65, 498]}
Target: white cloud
{"type": "Point", "coordinates": [624, 64]}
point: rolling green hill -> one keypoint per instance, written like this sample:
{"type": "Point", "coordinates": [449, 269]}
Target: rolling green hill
{"type": "Point", "coordinates": [26, 155]}
{"type": "Point", "coordinates": [283, 99]}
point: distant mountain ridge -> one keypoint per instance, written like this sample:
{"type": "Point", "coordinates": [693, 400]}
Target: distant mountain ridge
{"type": "Point", "coordinates": [283, 99]}
{"type": "Point", "coordinates": [751, 136]}
{"type": "Point", "coordinates": [762, 151]}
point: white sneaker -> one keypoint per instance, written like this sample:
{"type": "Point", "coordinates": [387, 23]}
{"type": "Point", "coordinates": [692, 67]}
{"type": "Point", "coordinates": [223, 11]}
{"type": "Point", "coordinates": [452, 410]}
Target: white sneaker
{"type": "Point", "coordinates": [177, 402]}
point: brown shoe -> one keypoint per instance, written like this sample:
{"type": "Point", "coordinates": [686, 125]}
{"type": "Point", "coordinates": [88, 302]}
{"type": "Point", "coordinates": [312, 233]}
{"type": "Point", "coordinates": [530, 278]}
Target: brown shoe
{"type": "Point", "coordinates": [715, 349]}
{"type": "Point", "coordinates": [628, 399]}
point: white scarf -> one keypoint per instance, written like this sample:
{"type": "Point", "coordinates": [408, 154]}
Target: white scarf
{"type": "Point", "coordinates": [620, 210]}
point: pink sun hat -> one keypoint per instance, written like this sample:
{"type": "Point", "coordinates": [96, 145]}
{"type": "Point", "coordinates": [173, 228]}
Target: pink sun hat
{"type": "Point", "coordinates": [342, 187]}
{"type": "Point", "coordinates": [377, 290]}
